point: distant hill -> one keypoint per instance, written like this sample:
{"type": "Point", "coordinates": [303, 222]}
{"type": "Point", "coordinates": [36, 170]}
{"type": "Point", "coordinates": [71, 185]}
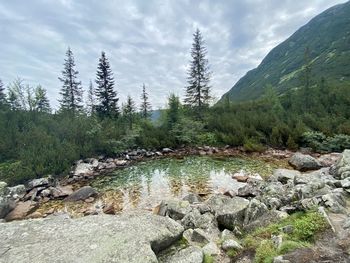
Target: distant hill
{"type": "Point", "coordinates": [328, 38]}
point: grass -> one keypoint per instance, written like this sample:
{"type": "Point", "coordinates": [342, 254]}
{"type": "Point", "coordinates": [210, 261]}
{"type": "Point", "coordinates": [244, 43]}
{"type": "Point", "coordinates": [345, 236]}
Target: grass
{"type": "Point", "coordinates": [306, 227]}
{"type": "Point", "coordinates": [208, 258]}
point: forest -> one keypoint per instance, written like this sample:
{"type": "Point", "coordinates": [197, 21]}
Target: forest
{"type": "Point", "coordinates": [37, 141]}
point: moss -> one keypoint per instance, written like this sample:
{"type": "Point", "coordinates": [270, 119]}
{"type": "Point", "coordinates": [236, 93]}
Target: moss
{"type": "Point", "coordinates": [208, 258]}
{"type": "Point", "coordinates": [231, 253]}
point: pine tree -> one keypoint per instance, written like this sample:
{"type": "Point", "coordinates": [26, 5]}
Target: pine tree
{"type": "Point", "coordinates": [42, 103]}
{"type": "Point", "coordinates": [107, 98]}
{"type": "Point", "coordinates": [173, 112]}
{"type": "Point", "coordinates": [129, 111]}
{"type": "Point", "coordinates": [145, 104]}
{"type": "Point", "coordinates": [71, 91]}
{"type": "Point", "coordinates": [91, 99]}
{"type": "Point", "coordinates": [198, 89]}
{"type": "Point", "coordinates": [3, 101]}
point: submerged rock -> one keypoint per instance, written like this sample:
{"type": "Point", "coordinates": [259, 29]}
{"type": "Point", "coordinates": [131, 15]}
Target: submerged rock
{"type": "Point", "coordinates": [131, 238]}
{"type": "Point", "coordinates": [82, 194]}
{"type": "Point", "coordinates": [304, 162]}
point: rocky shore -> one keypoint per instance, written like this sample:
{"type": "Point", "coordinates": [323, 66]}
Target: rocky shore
{"type": "Point", "coordinates": [186, 230]}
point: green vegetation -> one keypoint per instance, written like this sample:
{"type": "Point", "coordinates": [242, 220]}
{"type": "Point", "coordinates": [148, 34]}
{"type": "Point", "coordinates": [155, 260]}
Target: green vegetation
{"type": "Point", "coordinates": [208, 258]}
{"type": "Point", "coordinates": [305, 228]}
{"type": "Point", "coordinates": [284, 67]}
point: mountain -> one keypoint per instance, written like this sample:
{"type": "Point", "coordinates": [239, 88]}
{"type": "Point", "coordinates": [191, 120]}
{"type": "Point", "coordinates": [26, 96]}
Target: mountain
{"type": "Point", "coordinates": [327, 36]}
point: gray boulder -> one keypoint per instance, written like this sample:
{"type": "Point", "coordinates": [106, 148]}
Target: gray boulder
{"type": "Point", "coordinates": [192, 198]}
{"type": "Point", "coordinates": [130, 238]}
{"type": "Point", "coordinates": [284, 175]}
{"type": "Point", "coordinates": [342, 168]}
{"type": "Point", "coordinates": [39, 182]}
{"type": "Point", "coordinates": [3, 188]}
{"type": "Point", "coordinates": [211, 249]}
{"type": "Point", "coordinates": [82, 194]}
{"type": "Point", "coordinates": [254, 211]}
{"type": "Point", "coordinates": [17, 191]}
{"type": "Point", "coordinates": [187, 255]}
{"type": "Point", "coordinates": [194, 219]}
{"type": "Point", "coordinates": [229, 244]}
{"type": "Point", "coordinates": [6, 206]}
{"type": "Point", "coordinates": [175, 209]}
{"type": "Point", "coordinates": [228, 211]}
{"type": "Point", "coordinates": [304, 162]}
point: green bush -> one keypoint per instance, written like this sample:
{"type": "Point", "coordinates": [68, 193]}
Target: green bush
{"type": "Point", "coordinates": [252, 145]}
{"type": "Point", "coordinates": [265, 252]}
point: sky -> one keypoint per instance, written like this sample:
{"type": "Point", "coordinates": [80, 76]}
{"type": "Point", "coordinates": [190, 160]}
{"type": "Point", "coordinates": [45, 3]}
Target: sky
{"type": "Point", "coordinates": [146, 41]}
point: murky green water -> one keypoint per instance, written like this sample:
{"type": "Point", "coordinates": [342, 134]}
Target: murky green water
{"type": "Point", "coordinates": [145, 184]}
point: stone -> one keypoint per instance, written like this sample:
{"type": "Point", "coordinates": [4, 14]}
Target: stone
{"type": "Point", "coordinates": [175, 209]}
{"type": "Point", "coordinates": [45, 193]}
{"type": "Point", "coordinates": [229, 244]}
{"type": "Point", "coordinates": [121, 162]}
{"type": "Point", "coordinates": [6, 206]}
{"type": "Point", "coordinates": [21, 210]}
{"type": "Point", "coordinates": [187, 255]}
{"type": "Point", "coordinates": [229, 193]}
{"type": "Point", "coordinates": [81, 194]}
{"type": "Point", "coordinates": [248, 190]}
{"type": "Point", "coordinates": [84, 169]}
{"type": "Point", "coordinates": [330, 159]}
{"type": "Point", "coordinates": [61, 191]}
{"type": "Point", "coordinates": [279, 259]}
{"type": "Point", "coordinates": [304, 162]}
{"type": "Point", "coordinates": [284, 175]}
{"type": "Point", "coordinates": [254, 211]}
{"type": "Point", "coordinates": [192, 198]}
{"type": "Point", "coordinates": [131, 238]}
{"type": "Point", "coordinates": [167, 150]}
{"type": "Point", "coordinates": [342, 167]}
{"type": "Point", "coordinates": [187, 235]}
{"type": "Point", "coordinates": [109, 209]}
{"type": "Point", "coordinates": [17, 191]}
{"type": "Point", "coordinates": [277, 240]}
{"type": "Point", "coordinates": [227, 234]}
{"type": "Point", "coordinates": [228, 211]}
{"type": "Point", "coordinates": [39, 182]}
{"type": "Point", "coordinates": [240, 178]}
{"type": "Point", "coordinates": [335, 202]}
{"type": "Point", "coordinates": [288, 229]}
{"type": "Point", "coordinates": [211, 249]}
{"type": "Point", "coordinates": [199, 236]}
{"type": "Point", "coordinates": [34, 215]}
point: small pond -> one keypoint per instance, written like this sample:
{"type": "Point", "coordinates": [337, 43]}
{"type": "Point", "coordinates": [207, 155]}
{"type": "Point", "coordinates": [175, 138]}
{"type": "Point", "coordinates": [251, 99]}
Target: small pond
{"type": "Point", "coordinates": [145, 184]}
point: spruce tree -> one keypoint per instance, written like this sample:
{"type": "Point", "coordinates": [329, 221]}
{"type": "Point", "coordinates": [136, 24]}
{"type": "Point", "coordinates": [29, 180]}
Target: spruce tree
{"type": "Point", "coordinates": [3, 101]}
{"type": "Point", "coordinates": [129, 111]}
{"type": "Point", "coordinates": [145, 104]}
{"type": "Point", "coordinates": [71, 91]}
{"type": "Point", "coordinates": [42, 103]}
{"type": "Point", "coordinates": [173, 112]}
{"type": "Point", "coordinates": [198, 89]}
{"type": "Point", "coordinates": [91, 99]}
{"type": "Point", "coordinates": [107, 98]}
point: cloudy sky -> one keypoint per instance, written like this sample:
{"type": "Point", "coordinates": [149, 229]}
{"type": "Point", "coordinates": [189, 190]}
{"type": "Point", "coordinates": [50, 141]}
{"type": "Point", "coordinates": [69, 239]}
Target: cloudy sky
{"type": "Point", "coordinates": [146, 41]}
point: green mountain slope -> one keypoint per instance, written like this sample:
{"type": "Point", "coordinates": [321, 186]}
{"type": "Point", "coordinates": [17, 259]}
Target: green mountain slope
{"type": "Point", "coordinates": [328, 38]}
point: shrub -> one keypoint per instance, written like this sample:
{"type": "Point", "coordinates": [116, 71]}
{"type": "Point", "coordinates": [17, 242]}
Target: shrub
{"type": "Point", "coordinates": [265, 252]}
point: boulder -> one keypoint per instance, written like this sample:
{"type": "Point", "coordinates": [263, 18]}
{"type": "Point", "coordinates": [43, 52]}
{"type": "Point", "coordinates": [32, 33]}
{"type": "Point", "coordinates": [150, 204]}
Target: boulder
{"type": "Point", "coordinates": [199, 236]}
{"type": "Point", "coordinates": [82, 194]}
{"type": "Point", "coordinates": [254, 211]}
{"type": "Point", "coordinates": [330, 159]}
{"type": "Point", "coordinates": [229, 244]}
{"type": "Point", "coordinates": [248, 190]}
{"type": "Point", "coordinates": [228, 211]}
{"type": "Point", "coordinates": [192, 198]}
{"type": "Point", "coordinates": [83, 169]}
{"type": "Point", "coordinates": [342, 168]}
{"type": "Point", "coordinates": [304, 162]}
{"type": "Point", "coordinates": [131, 238]}
{"type": "Point", "coordinates": [211, 249]}
{"type": "Point", "coordinates": [39, 182]}
{"type": "Point", "coordinates": [186, 255]}
{"type": "Point", "coordinates": [17, 191]}
{"type": "Point", "coordinates": [175, 209]}
{"type": "Point", "coordinates": [6, 206]}
{"type": "Point", "coordinates": [167, 150]}
{"type": "Point", "coordinates": [3, 188]}
{"type": "Point", "coordinates": [61, 191]}
{"type": "Point", "coordinates": [21, 210]}
{"type": "Point", "coordinates": [284, 175]}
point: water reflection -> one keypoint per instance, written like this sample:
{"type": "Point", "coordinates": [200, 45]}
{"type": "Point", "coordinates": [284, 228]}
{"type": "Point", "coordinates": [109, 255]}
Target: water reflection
{"type": "Point", "coordinates": [146, 184]}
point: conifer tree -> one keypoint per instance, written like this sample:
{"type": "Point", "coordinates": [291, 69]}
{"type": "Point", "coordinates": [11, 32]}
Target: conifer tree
{"type": "Point", "coordinates": [145, 104]}
{"type": "Point", "coordinates": [42, 103]}
{"type": "Point", "coordinates": [3, 101]}
{"type": "Point", "coordinates": [91, 99]}
{"type": "Point", "coordinates": [71, 91]}
{"type": "Point", "coordinates": [173, 112]}
{"type": "Point", "coordinates": [107, 105]}
{"type": "Point", "coordinates": [129, 111]}
{"type": "Point", "coordinates": [198, 89]}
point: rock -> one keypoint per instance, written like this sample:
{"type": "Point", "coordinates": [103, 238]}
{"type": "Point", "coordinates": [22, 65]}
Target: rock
{"type": "Point", "coordinates": [288, 229]}
{"type": "Point", "coordinates": [277, 240]}
{"type": "Point", "coordinates": [174, 209]}
{"type": "Point", "coordinates": [187, 235]}
{"type": "Point", "coordinates": [61, 191]}
{"type": "Point", "coordinates": [21, 210]}
{"type": "Point", "coordinates": [228, 211]}
{"type": "Point", "coordinates": [227, 234]}
{"type": "Point", "coordinates": [39, 182]}
{"type": "Point", "coordinates": [330, 159]}
{"type": "Point", "coordinates": [158, 153]}
{"type": "Point", "coordinates": [167, 150]}
{"type": "Point", "coordinates": [335, 202]}
{"type": "Point", "coordinates": [229, 193]}
{"type": "Point", "coordinates": [45, 193]}
{"type": "Point", "coordinates": [34, 215]}
{"type": "Point", "coordinates": [187, 255]}
{"type": "Point", "coordinates": [342, 167]}
{"type": "Point", "coordinates": [17, 191]}
{"type": "Point", "coordinates": [254, 211]}
{"type": "Point", "coordinates": [3, 188]}
{"type": "Point", "coordinates": [199, 236]}
{"type": "Point", "coordinates": [192, 198]}
{"type": "Point", "coordinates": [280, 259]}
{"type": "Point", "coordinates": [229, 244]}
{"type": "Point", "coordinates": [248, 190]}
{"type": "Point", "coordinates": [284, 175]}
{"type": "Point", "coordinates": [240, 178]}
{"type": "Point", "coordinates": [109, 209]}
{"type": "Point", "coordinates": [131, 238]}
{"type": "Point", "coordinates": [211, 249]}
{"type": "Point", "coordinates": [6, 206]}
{"type": "Point", "coordinates": [304, 162]}
{"type": "Point", "coordinates": [83, 169]}
{"type": "Point", "coordinates": [89, 200]}
{"type": "Point", "coordinates": [81, 194]}
{"type": "Point", "coordinates": [121, 162]}
{"type": "Point", "coordinates": [202, 153]}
